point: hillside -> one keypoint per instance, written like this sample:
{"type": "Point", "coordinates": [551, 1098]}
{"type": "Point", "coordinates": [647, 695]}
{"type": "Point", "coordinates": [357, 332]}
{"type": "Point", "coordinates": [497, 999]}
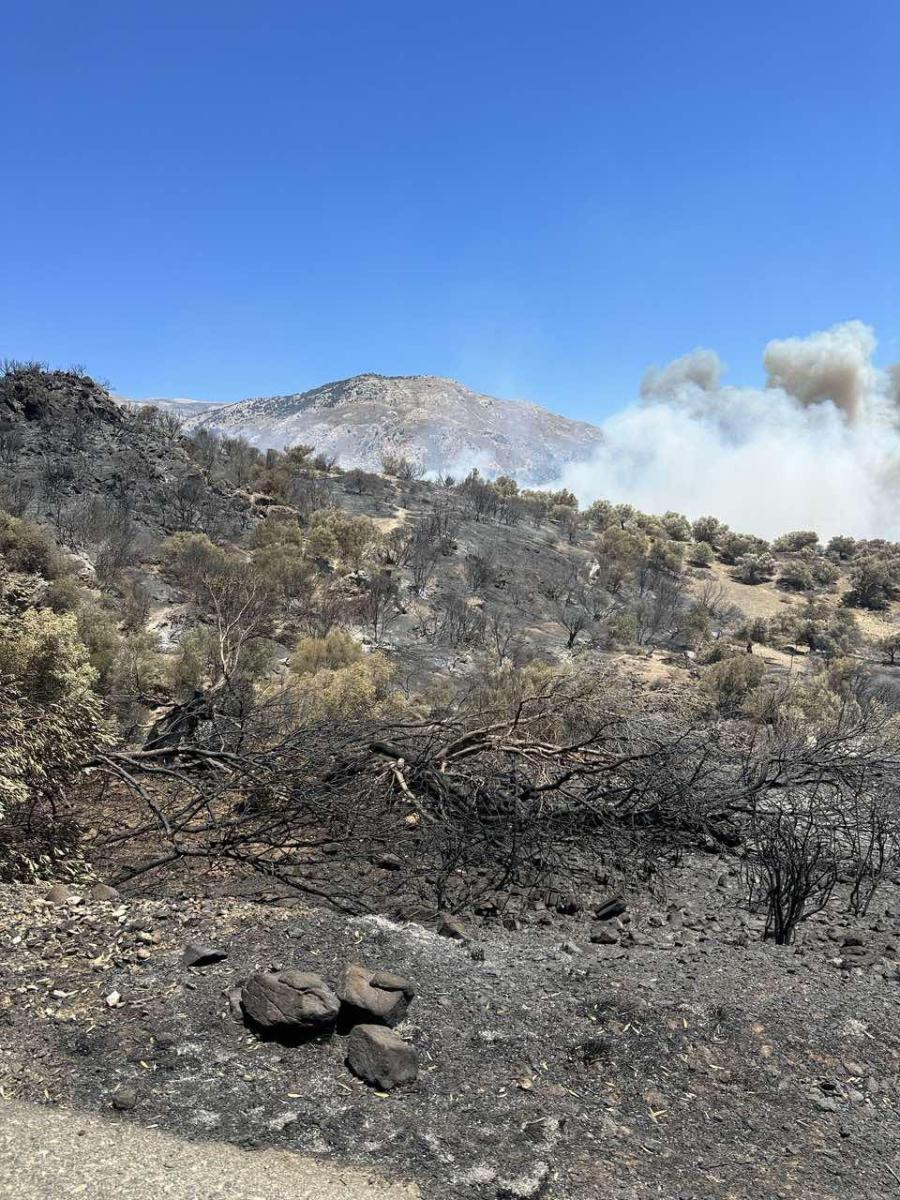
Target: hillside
{"type": "Point", "coordinates": [592, 815]}
{"type": "Point", "coordinates": [438, 423]}
{"type": "Point", "coordinates": [68, 450]}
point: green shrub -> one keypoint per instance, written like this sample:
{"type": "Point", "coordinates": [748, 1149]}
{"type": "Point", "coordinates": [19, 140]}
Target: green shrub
{"type": "Point", "coordinates": [731, 681]}
{"type": "Point", "coordinates": [27, 548]}
{"type": "Point", "coordinates": [335, 650]}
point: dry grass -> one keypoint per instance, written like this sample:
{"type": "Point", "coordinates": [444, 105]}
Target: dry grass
{"type": "Point", "coordinates": [766, 600]}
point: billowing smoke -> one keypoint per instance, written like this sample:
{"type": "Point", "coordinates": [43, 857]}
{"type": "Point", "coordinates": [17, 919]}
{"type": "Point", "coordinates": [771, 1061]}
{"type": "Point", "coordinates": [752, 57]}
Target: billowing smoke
{"type": "Point", "coordinates": [817, 448]}
{"type": "Point", "coordinates": [835, 365]}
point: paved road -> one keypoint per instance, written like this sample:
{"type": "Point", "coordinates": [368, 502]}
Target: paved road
{"type": "Point", "coordinates": [54, 1153]}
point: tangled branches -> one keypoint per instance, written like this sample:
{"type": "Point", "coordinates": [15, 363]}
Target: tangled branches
{"type": "Point", "coordinates": [467, 811]}
{"type": "Point", "coordinates": [820, 810]}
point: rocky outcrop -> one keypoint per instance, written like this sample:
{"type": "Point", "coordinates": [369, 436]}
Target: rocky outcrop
{"type": "Point", "coordinates": [65, 445]}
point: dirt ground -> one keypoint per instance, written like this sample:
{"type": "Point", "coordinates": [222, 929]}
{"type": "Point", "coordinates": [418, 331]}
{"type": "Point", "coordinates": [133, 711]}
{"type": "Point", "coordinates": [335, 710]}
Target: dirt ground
{"type": "Point", "coordinates": [50, 1151]}
{"type": "Point", "coordinates": [685, 1059]}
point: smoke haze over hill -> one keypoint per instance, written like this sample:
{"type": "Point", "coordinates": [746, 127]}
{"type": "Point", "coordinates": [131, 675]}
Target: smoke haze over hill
{"type": "Point", "coordinates": [817, 447]}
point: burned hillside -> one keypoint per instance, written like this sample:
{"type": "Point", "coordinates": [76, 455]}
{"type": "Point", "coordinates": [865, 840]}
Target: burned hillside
{"type": "Point", "coordinates": [289, 752]}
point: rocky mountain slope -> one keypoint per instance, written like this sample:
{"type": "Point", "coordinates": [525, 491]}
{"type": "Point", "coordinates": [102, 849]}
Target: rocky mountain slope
{"type": "Point", "coordinates": [438, 423]}
{"type": "Point", "coordinates": [69, 449]}
{"type": "Point", "coordinates": [186, 409]}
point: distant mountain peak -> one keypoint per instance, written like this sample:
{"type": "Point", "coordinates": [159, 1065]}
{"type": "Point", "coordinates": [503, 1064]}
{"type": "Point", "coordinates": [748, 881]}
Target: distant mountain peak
{"type": "Point", "coordinates": [438, 422]}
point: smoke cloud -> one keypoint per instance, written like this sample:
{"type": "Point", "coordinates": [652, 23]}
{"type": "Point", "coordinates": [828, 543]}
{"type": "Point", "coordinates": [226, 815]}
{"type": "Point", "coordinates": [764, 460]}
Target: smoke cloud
{"type": "Point", "coordinates": [817, 448]}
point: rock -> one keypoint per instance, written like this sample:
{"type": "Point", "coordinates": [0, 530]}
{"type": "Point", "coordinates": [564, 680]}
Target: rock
{"type": "Point", "coordinates": [59, 894]}
{"type": "Point", "coordinates": [613, 907]}
{"type": "Point", "coordinates": [570, 948]}
{"type": "Point", "coordinates": [380, 1058]}
{"type": "Point", "coordinates": [451, 927]}
{"type": "Point", "coordinates": [296, 1002]}
{"type": "Point", "coordinates": [233, 1000]}
{"type": "Point", "coordinates": [125, 1098]}
{"type": "Point", "coordinates": [102, 891]}
{"type": "Point", "coordinates": [196, 955]}
{"type": "Point", "coordinates": [373, 996]}
{"type": "Point", "coordinates": [604, 937]}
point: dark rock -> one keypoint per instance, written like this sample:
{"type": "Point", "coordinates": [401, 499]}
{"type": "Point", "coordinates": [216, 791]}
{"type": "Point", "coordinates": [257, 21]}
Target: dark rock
{"type": "Point", "coordinates": [380, 1058]}
{"type": "Point", "coordinates": [201, 956]}
{"type": "Point", "coordinates": [451, 927]}
{"type": "Point", "coordinates": [613, 907]}
{"type": "Point", "coordinates": [125, 1098]}
{"type": "Point", "coordinates": [373, 996]}
{"type": "Point", "coordinates": [290, 1002]}
{"type": "Point", "coordinates": [388, 862]}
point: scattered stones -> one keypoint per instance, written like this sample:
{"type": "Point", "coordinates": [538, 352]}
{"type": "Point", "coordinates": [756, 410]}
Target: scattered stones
{"type": "Point", "coordinates": [196, 955]}
{"type": "Point", "coordinates": [613, 907]}
{"type": "Point", "coordinates": [293, 1002]}
{"type": "Point", "coordinates": [380, 1058]}
{"type": "Point", "coordinates": [451, 927]}
{"type": "Point", "coordinates": [373, 996]}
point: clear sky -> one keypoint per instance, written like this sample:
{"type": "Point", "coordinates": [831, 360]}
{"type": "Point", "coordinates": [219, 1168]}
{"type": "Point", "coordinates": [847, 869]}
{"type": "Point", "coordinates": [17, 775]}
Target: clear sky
{"type": "Point", "coordinates": [221, 199]}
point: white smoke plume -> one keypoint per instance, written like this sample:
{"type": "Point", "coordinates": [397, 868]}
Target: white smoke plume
{"type": "Point", "coordinates": [817, 448]}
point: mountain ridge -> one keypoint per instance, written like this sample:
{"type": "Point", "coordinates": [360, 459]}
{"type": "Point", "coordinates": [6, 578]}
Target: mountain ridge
{"type": "Point", "coordinates": [437, 422]}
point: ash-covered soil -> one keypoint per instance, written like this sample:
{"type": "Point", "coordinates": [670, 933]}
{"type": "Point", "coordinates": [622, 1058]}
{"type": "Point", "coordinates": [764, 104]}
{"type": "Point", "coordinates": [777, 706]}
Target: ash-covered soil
{"type": "Point", "coordinates": [681, 1057]}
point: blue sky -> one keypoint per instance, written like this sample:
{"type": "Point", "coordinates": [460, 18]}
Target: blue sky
{"type": "Point", "coordinates": [226, 199]}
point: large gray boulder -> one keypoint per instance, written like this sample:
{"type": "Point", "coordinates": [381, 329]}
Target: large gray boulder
{"type": "Point", "coordinates": [298, 1003]}
{"type": "Point", "coordinates": [374, 997]}
{"type": "Point", "coordinates": [380, 1058]}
